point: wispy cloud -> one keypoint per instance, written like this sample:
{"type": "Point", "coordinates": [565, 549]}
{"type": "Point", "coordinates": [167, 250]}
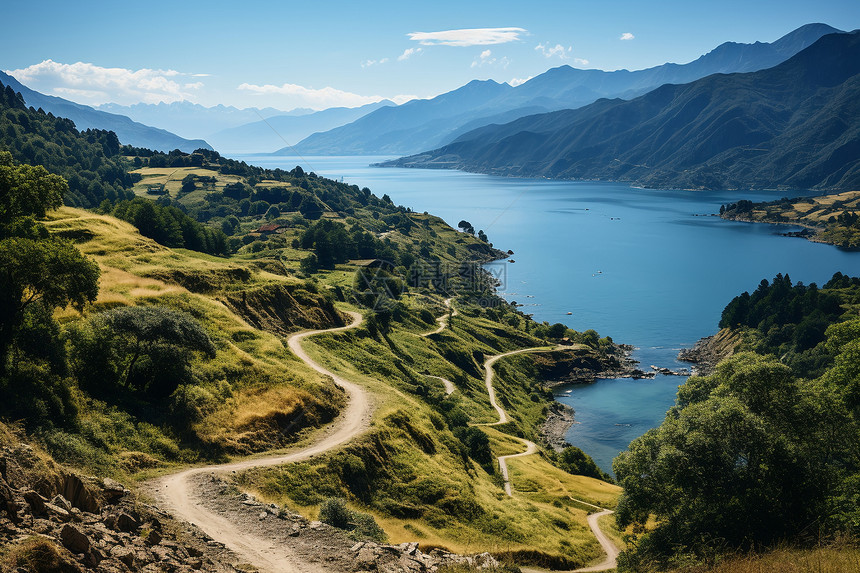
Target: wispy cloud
{"type": "Point", "coordinates": [94, 85]}
{"type": "Point", "coordinates": [294, 95]}
{"type": "Point", "coordinates": [627, 36]}
{"type": "Point", "coordinates": [408, 53]}
{"type": "Point", "coordinates": [580, 61]}
{"type": "Point", "coordinates": [486, 58]}
{"type": "Point", "coordinates": [369, 63]}
{"type": "Point", "coordinates": [554, 51]}
{"type": "Point", "coordinates": [468, 37]}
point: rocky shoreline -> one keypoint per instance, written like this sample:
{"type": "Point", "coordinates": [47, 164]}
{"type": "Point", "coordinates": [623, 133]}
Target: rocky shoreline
{"type": "Point", "coordinates": [707, 352]}
{"type": "Point", "coordinates": [559, 420]}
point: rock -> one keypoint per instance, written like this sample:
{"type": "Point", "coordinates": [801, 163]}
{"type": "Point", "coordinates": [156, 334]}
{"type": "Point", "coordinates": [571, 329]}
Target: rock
{"type": "Point", "coordinates": [58, 512]}
{"type": "Point", "coordinates": [74, 540]}
{"type": "Point", "coordinates": [194, 562]}
{"type": "Point", "coordinates": [295, 531]}
{"type": "Point", "coordinates": [263, 515]}
{"type": "Point", "coordinates": [79, 495]}
{"type": "Point", "coordinates": [409, 548]}
{"type": "Point", "coordinates": [7, 497]}
{"type": "Point", "coordinates": [124, 555]}
{"type": "Point", "coordinates": [112, 490]}
{"type": "Point", "coordinates": [153, 537]}
{"type": "Point", "coordinates": [126, 523]}
{"type": "Point", "coordinates": [366, 559]}
{"type": "Point", "coordinates": [193, 551]}
{"type": "Point", "coordinates": [36, 502]}
{"type": "Point", "coordinates": [60, 501]}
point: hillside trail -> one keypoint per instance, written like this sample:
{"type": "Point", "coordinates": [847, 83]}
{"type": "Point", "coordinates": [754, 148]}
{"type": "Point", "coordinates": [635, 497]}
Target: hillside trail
{"type": "Point", "coordinates": [608, 546]}
{"type": "Point", "coordinates": [176, 491]}
{"type": "Point", "coordinates": [443, 320]}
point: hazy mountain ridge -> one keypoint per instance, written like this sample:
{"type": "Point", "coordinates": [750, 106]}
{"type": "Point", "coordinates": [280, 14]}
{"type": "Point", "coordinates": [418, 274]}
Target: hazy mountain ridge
{"type": "Point", "coordinates": [85, 117]}
{"type": "Point", "coordinates": [426, 124]}
{"type": "Point", "coordinates": [796, 125]}
{"type": "Point", "coordinates": [269, 134]}
{"type": "Point", "coordinates": [194, 120]}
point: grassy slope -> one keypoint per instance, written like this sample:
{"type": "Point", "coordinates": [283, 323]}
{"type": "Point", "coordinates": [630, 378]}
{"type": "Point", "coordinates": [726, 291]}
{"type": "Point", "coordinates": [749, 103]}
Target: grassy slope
{"type": "Point", "coordinates": [254, 383]}
{"type": "Point", "coordinates": [410, 457]}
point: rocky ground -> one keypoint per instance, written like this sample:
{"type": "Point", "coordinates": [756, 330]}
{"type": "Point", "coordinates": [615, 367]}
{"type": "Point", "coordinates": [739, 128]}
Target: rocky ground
{"type": "Point", "coordinates": [319, 544]}
{"type": "Point", "coordinates": [52, 519]}
{"type": "Point", "coordinates": [55, 520]}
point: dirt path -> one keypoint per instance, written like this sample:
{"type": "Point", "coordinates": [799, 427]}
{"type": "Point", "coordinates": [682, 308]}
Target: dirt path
{"type": "Point", "coordinates": [449, 386]}
{"type": "Point", "coordinates": [176, 493]}
{"type": "Point", "coordinates": [531, 448]}
{"type": "Point", "coordinates": [443, 320]}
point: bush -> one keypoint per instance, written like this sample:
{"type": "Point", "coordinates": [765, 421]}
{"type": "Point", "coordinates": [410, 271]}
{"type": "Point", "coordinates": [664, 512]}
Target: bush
{"type": "Point", "coordinates": [334, 512]}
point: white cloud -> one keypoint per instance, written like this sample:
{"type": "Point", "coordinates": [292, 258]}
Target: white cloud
{"type": "Point", "coordinates": [580, 62]}
{"type": "Point", "coordinates": [369, 63]}
{"type": "Point", "coordinates": [94, 85]}
{"type": "Point", "coordinates": [408, 53]}
{"type": "Point", "coordinates": [486, 59]}
{"type": "Point", "coordinates": [293, 95]}
{"type": "Point", "coordinates": [468, 37]}
{"type": "Point", "coordinates": [553, 51]}
{"type": "Point", "coordinates": [519, 81]}
{"type": "Point", "coordinates": [626, 36]}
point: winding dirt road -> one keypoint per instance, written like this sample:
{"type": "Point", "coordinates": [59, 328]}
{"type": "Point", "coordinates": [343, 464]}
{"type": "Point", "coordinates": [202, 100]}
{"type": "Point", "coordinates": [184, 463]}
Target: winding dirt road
{"type": "Point", "coordinates": [176, 492]}
{"type": "Point", "coordinates": [443, 320]}
{"type": "Point", "coordinates": [531, 448]}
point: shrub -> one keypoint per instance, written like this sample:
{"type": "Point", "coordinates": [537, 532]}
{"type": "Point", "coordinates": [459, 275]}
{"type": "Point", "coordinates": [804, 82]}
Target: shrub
{"type": "Point", "coordinates": [334, 512]}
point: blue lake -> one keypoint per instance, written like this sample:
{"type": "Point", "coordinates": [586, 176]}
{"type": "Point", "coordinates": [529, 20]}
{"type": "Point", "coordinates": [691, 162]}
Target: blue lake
{"type": "Point", "coordinates": [648, 268]}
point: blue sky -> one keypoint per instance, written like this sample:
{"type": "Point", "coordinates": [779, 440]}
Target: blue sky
{"type": "Point", "coordinates": [322, 54]}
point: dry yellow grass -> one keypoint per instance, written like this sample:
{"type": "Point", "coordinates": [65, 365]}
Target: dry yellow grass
{"type": "Point", "coordinates": [839, 558]}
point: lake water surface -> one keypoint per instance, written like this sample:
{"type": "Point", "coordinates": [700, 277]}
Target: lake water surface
{"type": "Point", "coordinates": [648, 268]}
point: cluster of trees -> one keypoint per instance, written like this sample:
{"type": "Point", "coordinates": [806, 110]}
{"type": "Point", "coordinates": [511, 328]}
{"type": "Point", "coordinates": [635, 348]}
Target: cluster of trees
{"type": "Point", "coordinates": [843, 230]}
{"type": "Point", "coordinates": [170, 226]}
{"type": "Point", "coordinates": [143, 350]}
{"type": "Point", "coordinates": [90, 161]}
{"type": "Point", "coordinates": [754, 454]}
{"type": "Point", "coordinates": [787, 320]}
{"type": "Point", "coordinates": [334, 243]}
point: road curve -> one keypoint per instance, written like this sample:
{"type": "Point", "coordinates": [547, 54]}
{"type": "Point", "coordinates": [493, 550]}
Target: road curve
{"type": "Point", "coordinates": [531, 448]}
{"type": "Point", "coordinates": [443, 320]}
{"type": "Point", "coordinates": [449, 386]}
{"type": "Point", "coordinates": [176, 493]}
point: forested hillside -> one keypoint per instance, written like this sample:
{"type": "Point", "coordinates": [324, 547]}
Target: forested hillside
{"type": "Point", "coordinates": [762, 452]}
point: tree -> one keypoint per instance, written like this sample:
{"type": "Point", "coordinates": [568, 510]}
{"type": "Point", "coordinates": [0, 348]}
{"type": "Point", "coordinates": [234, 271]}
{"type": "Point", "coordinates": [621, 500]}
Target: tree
{"type": "Point", "coordinates": [482, 236]}
{"type": "Point", "coordinates": [273, 213]}
{"type": "Point", "coordinates": [27, 191]}
{"type": "Point", "coordinates": [51, 272]}
{"type": "Point", "coordinates": [466, 227]}
{"type": "Point", "coordinates": [150, 346]}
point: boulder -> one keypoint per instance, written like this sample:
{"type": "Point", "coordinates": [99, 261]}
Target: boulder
{"type": "Point", "coordinates": [74, 540]}
{"type": "Point", "coordinates": [36, 502]}
{"type": "Point", "coordinates": [79, 495]}
{"type": "Point", "coordinates": [127, 523]}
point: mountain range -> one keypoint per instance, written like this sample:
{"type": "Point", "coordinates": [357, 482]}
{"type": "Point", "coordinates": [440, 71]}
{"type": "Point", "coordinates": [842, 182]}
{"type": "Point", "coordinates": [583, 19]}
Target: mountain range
{"type": "Point", "coordinates": [267, 134]}
{"type": "Point", "coordinates": [194, 120]}
{"type": "Point", "coordinates": [85, 117]}
{"type": "Point", "coordinates": [426, 124]}
{"type": "Point", "coordinates": [796, 125]}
